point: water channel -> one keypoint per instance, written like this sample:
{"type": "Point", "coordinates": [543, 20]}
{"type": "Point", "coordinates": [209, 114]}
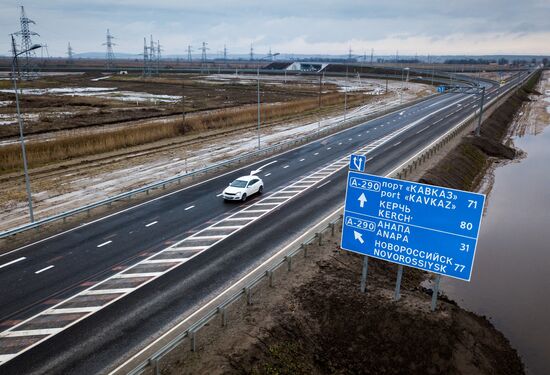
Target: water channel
{"type": "Point", "coordinates": [511, 279]}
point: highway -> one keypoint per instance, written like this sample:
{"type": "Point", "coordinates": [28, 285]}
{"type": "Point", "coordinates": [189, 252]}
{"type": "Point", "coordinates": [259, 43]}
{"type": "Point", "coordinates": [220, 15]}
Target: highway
{"type": "Point", "coordinates": [78, 301]}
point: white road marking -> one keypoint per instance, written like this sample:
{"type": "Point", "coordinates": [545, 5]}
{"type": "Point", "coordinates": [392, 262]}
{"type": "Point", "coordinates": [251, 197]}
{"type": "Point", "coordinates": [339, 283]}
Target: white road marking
{"type": "Point", "coordinates": [150, 224]}
{"type": "Point", "coordinates": [32, 332]}
{"type": "Point", "coordinates": [160, 261]}
{"type": "Point", "coordinates": [328, 148]}
{"type": "Point", "coordinates": [13, 261]}
{"type": "Point", "coordinates": [396, 144]}
{"type": "Point", "coordinates": [94, 292]}
{"type": "Point", "coordinates": [302, 159]}
{"type": "Point", "coordinates": [74, 310]}
{"type": "Point", "coordinates": [267, 174]}
{"type": "Point", "coordinates": [320, 186]}
{"type": "Point", "coordinates": [286, 166]}
{"type": "Point", "coordinates": [350, 139]}
{"type": "Point", "coordinates": [316, 154]}
{"type": "Point", "coordinates": [219, 195]}
{"type": "Point", "coordinates": [420, 131]}
{"type": "Point", "coordinates": [188, 208]}
{"type": "Point", "coordinates": [340, 143]}
{"type": "Point", "coordinates": [369, 159]}
{"type": "Point", "coordinates": [104, 243]}
{"type": "Point", "coordinates": [136, 275]}
{"type": "Point", "coordinates": [44, 269]}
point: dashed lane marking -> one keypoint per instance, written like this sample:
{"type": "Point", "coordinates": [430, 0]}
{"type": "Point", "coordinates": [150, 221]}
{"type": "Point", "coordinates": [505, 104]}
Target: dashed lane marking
{"type": "Point", "coordinates": [13, 262]}
{"type": "Point", "coordinates": [151, 224]}
{"type": "Point", "coordinates": [104, 243]}
{"type": "Point", "coordinates": [286, 166]}
{"type": "Point", "coordinates": [188, 208]}
{"type": "Point", "coordinates": [44, 269]}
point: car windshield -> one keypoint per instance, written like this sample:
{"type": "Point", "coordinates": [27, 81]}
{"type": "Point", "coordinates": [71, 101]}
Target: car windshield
{"type": "Point", "coordinates": [238, 183]}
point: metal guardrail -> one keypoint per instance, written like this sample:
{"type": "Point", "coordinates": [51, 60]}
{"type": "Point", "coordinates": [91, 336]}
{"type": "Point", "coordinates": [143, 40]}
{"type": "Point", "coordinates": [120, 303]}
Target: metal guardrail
{"type": "Point", "coordinates": [349, 122]}
{"type": "Point", "coordinates": [152, 362]}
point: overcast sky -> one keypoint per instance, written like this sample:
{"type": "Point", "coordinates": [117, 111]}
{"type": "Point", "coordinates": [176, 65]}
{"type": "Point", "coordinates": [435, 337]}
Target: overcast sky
{"type": "Point", "coordinates": [323, 26]}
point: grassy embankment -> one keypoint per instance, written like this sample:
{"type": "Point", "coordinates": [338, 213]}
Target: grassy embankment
{"type": "Point", "coordinates": [65, 148]}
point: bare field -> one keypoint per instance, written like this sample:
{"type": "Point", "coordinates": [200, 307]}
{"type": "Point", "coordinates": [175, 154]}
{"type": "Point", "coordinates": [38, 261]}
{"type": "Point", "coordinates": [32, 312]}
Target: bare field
{"type": "Point", "coordinates": [207, 136]}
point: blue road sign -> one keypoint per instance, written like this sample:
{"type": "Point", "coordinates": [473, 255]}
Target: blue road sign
{"type": "Point", "coordinates": [357, 162]}
{"type": "Point", "coordinates": [416, 225]}
{"type": "Point", "coordinates": [441, 88]}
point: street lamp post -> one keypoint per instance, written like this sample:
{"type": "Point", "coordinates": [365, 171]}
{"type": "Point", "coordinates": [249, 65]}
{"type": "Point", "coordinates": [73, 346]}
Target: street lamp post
{"type": "Point", "coordinates": [258, 77]}
{"type": "Point", "coordinates": [20, 121]}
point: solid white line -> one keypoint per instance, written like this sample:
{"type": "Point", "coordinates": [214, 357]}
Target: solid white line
{"type": "Point", "coordinates": [74, 310]}
{"type": "Point", "coordinates": [152, 223]}
{"type": "Point", "coordinates": [160, 261]}
{"type": "Point", "coordinates": [6, 357]}
{"type": "Point", "coordinates": [286, 166]}
{"type": "Point", "coordinates": [32, 332]}
{"type": "Point", "coordinates": [207, 237]}
{"type": "Point", "coordinates": [13, 261]}
{"type": "Point", "coordinates": [396, 144]}
{"type": "Point", "coordinates": [227, 226]}
{"type": "Point", "coordinates": [240, 218]}
{"type": "Point", "coordinates": [267, 174]}
{"type": "Point", "coordinates": [369, 159]}
{"type": "Point", "coordinates": [320, 186]}
{"type": "Point", "coordinates": [268, 204]}
{"type": "Point", "coordinates": [94, 292]}
{"type": "Point", "coordinates": [219, 195]}
{"type": "Point", "coordinates": [253, 211]}
{"type": "Point", "coordinates": [420, 131]}
{"type": "Point", "coordinates": [136, 275]}
{"type": "Point", "coordinates": [185, 248]}
{"type": "Point", "coordinates": [104, 243]}
{"type": "Point", "coordinates": [44, 269]}
{"type": "Point", "coordinates": [188, 208]}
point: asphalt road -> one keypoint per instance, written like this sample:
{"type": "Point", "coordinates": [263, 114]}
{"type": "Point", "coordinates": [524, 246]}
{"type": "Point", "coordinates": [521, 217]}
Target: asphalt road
{"type": "Point", "coordinates": [42, 274]}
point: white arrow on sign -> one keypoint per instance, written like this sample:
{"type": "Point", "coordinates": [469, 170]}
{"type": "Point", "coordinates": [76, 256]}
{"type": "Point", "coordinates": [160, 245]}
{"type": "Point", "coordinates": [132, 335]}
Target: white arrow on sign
{"type": "Point", "coordinates": [362, 200]}
{"type": "Point", "coordinates": [358, 236]}
{"type": "Point", "coordinates": [358, 162]}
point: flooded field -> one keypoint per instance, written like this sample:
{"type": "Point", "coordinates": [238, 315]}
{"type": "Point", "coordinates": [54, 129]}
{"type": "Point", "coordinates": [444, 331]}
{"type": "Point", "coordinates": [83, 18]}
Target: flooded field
{"type": "Point", "coordinates": [510, 283]}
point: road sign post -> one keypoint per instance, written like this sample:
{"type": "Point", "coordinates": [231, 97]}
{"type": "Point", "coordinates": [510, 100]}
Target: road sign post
{"type": "Point", "coordinates": [417, 225]}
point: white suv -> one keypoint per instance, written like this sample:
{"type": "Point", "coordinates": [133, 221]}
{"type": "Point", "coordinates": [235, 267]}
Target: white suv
{"type": "Point", "coordinates": [242, 188]}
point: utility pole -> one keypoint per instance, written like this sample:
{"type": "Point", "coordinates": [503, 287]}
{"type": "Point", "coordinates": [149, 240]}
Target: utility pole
{"type": "Point", "coordinates": [26, 43]}
{"type": "Point", "coordinates": [478, 129]}
{"type": "Point", "coordinates": [183, 104]}
{"type": "Point", "coordinates": [145, 58]}
{"type": "Point", "coordinates": [203, 56]}
{"type": "Point", "coordinates": [224, 53]}
{"type": "Point", "coordinates": [189, 57]}
{"type": "Point", "coordinates": [251, 53]}
{"type": "Point", "coordinates": [346, 95]}
{"type": "Point", "coordinates": [320, 91]}
{"type": "Point", "coordinates": [20, 120]}
{"type": "Point", "coordinates": [371, 55]}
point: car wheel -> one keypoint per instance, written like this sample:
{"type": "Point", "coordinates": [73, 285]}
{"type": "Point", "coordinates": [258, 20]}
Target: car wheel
{"type": "Point", "coordinates": [261, 190]}
{"type": "Point", "coordinates": [243, 198]}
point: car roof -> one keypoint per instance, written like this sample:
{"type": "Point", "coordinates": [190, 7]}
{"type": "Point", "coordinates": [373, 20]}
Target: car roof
{"type": "Point", "coordinates": [247, 178]}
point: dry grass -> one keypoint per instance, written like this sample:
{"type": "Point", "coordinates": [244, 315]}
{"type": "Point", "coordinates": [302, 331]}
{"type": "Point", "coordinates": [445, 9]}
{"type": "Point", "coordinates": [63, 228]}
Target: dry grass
{"type": "Point", "coordinates": [66, 148]}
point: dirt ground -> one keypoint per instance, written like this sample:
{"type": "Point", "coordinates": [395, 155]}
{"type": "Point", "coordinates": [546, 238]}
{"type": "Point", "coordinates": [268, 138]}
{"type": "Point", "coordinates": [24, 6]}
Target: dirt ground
{"type": "Point", "coordinates": [319, 322]}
